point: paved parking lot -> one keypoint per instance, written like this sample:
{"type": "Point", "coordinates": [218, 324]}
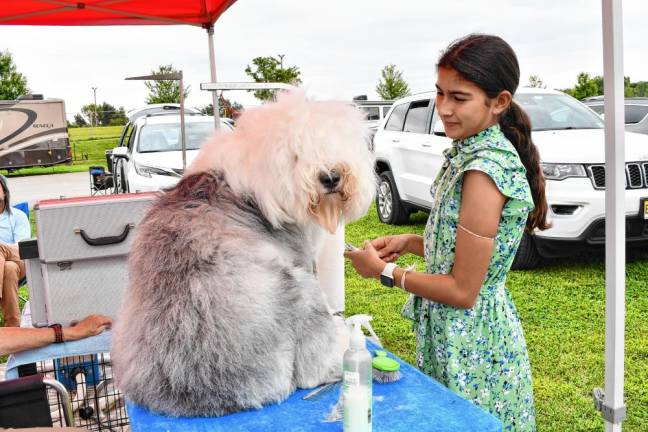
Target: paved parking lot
{"type": "Point", "coordinates": [40, 187]}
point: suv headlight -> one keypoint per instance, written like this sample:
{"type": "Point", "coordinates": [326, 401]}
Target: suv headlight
{"type": "Point", "coordinates": [562, 171]}
{"type": "Point", "coordinates": [148, 171]}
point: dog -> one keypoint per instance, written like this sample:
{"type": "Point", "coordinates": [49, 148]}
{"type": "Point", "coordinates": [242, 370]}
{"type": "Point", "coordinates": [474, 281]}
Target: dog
{"type": "Point", "coordinates": [223, 310]}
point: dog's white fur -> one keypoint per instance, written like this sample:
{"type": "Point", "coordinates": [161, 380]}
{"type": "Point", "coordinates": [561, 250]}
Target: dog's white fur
{"type": "Point", "coordinates": [223, 310]}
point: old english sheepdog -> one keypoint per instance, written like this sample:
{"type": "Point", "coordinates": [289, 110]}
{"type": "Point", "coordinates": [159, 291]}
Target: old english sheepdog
{"type": "Point", "coordinates": [223, 310]}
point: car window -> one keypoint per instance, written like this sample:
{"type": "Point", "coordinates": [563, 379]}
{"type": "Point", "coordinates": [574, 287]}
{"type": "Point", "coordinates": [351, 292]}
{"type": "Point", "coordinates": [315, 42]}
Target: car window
{"type": "Point", "coordinates": [597, 108]}
{"type": "Point", "coordinates": [416, 118]}
{"type": "Point", "coordinates": [395, 122]}
{"type": "Point", "coordinates": [166, 137]}
{"type": "Point", "coordinates": [372, 113]}
{"type": "Point", "coordinates": [123, 140]}
{"type": "Point", "coordinates": [385, 110]}
{"type": "Point", "coordinates": [131, 138]}
{"type": "Point", "coordinates": [635, 113]}
{"type": "Point", "coordinates": [557, 111]}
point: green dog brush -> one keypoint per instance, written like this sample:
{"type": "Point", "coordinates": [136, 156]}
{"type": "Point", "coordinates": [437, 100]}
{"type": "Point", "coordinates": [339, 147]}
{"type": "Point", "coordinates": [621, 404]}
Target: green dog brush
{"type": "Point", "coordinates": [385, 369]}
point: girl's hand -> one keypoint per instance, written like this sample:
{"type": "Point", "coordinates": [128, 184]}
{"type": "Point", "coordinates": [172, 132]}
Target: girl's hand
{"type": "Point", "coordinates": [390, 248]}
{"type": "Point", "coordinates": [366, 261]}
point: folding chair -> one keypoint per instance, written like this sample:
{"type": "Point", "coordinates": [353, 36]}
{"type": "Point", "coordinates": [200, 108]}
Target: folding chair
{"type": "Point", "coordinates": [23, 402]}
{"type": "Point", "coordinates": [100, 180]}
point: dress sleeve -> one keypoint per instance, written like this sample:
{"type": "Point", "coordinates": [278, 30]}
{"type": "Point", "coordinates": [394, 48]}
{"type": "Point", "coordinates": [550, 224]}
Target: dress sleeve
{"type": "Point", "coordinates": [22, 229]}
{"type": "Point", "coordinates": [510, 180]}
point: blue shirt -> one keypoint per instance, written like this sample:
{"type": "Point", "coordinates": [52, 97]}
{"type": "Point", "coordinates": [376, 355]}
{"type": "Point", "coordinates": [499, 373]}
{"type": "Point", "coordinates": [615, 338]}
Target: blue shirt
{"type": "Point", "coordinates": [14, 227]}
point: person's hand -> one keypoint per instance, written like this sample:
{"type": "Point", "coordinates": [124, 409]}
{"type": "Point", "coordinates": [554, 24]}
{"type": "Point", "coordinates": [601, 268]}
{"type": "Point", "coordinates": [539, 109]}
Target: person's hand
{"type": "Point", "coordinates": [89, 326]}
{"type": "Point", "coordinates": [366, 261]}
{"type": "Point", "coordinates": [390, 248]}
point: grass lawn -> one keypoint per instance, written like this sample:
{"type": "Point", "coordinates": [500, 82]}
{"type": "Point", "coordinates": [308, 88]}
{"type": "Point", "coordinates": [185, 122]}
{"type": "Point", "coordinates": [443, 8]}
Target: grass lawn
{"type": "Point", "coordinates": [88, 147]}
{"type": "Point", "coordinates": [562, 307]}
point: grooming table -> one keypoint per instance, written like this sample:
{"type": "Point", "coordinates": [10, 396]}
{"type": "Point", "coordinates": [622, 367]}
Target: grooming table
{"type": "Point", "coordinates": [415, 403]}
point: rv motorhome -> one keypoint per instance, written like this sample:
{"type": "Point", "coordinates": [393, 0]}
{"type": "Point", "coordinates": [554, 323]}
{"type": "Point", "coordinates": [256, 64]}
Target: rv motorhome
{"type": "Point", "coordinates": [33, 132]}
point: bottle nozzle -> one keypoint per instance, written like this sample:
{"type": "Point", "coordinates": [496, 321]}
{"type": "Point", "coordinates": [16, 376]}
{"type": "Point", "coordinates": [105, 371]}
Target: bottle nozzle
{"type": "Point", "coordinates": [363, 320]}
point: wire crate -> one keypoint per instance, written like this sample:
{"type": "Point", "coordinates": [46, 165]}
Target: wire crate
{"type": "Point", "coordinates": [98, 405]}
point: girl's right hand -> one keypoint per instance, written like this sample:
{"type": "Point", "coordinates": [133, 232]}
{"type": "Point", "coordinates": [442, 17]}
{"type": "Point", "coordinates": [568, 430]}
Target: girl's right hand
{"type": "Point", "coordinates": [390, 248]}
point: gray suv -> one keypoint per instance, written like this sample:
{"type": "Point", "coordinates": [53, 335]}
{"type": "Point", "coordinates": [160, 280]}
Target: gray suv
{"type": "Point", "coordinates": [636, 112]}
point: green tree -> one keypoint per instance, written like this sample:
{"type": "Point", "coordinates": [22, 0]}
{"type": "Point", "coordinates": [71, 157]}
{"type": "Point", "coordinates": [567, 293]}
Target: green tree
{"type": "Point", "coordinates": [392, 85]}
{"type": "Point", "coordinates": [79, 120]}
{"type": "Point", "coordinates": [106, 114]}
{"type": "Point", "coordinates": [593, 86]}
{"type": "Point", "coordinates": [12, 83]}
{"type": "Point", "coordinates": [271, 69]}
{"type": "Point", "coordinates": [164, 91]}
{"type": "Point", "coordinates": [536, 82]}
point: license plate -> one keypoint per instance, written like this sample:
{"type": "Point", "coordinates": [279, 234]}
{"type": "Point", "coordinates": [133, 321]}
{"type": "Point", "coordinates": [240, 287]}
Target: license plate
{"type": "Point", "coordinates": [644, 208]}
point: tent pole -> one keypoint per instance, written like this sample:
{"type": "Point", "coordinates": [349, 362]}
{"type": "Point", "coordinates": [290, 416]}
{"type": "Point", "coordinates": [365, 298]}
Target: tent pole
{"type": "Point", "coordinates": [611, 402]}
{"type": "Point", "coordinates": [212, 69]}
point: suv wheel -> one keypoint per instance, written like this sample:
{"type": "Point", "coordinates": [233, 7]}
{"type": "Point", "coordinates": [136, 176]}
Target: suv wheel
{"type": "Point", "coordinates": [527, 256]}
{"type": "Point", "coordinates": [391, 210]}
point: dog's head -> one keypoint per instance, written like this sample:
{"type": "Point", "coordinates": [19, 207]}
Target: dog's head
{"type": "Point", "coordinates": [302, 160]}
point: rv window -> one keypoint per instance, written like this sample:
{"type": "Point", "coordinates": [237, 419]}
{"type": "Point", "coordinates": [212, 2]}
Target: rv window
{"type": "Point", "coordinates": [385, 110]}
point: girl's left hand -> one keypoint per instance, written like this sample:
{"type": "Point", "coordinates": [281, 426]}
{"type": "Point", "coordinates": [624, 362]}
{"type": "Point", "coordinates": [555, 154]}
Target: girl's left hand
{"type": "Point", "coordinates": [366, 261]}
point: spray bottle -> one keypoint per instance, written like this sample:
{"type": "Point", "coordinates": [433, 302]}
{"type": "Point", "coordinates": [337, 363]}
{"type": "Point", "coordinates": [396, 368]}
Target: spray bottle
{"type": "Point", "coordinates": [357, 374]}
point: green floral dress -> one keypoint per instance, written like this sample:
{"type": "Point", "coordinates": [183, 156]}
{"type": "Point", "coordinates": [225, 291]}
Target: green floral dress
{"type": "Point", "coordinates": [480, 353]}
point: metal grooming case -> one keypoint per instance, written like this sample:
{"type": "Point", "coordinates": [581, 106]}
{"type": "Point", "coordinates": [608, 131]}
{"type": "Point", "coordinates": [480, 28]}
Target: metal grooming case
{"type": "Point", "coordinates": [77, 265]}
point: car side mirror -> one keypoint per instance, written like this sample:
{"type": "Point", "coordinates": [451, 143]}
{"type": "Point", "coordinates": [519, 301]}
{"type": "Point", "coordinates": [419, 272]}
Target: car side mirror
{"type": "Point", "coordinates": [120, 152]}
{"type": "Point", "coordinates": [438, 129]}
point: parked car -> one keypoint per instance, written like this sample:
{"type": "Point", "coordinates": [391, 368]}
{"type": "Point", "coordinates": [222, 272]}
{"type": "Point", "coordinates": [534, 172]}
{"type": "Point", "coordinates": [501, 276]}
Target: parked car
{"type": "Point", "coordinates": [571, 142]}
{"type": "Point", "coordinates": [636, 112]}
{"type": "Point", "coordinates": [375, 111]}
{"type": "Point", "coordinates": [149, 156]}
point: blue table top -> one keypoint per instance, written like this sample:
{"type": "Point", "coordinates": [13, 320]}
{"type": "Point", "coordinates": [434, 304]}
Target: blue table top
{"type": "Point", "coordinates": [415, 403]}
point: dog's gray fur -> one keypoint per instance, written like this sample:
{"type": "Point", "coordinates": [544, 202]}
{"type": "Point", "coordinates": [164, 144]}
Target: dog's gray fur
{"type": "Point", "coordinates": [223, 312]}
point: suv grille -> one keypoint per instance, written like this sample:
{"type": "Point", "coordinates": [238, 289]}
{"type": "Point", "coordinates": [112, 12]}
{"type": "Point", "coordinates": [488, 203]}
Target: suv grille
{"type": "Point", "coordinates": [636, 175]}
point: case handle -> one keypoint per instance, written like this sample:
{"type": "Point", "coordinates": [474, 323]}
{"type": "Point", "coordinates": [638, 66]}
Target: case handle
{"type": "Point", "coordinates": [103, 241]}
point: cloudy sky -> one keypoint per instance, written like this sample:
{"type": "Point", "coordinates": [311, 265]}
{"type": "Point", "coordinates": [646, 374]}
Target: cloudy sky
{"type": "Point", "coordinates": [339, 45]}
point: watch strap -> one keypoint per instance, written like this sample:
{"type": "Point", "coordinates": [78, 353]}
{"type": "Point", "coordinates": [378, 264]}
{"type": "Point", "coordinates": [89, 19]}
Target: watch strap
{"type": "Point", "coordinates": [58, 333]}
{"type": "Point", "coordinates": [387, 275]}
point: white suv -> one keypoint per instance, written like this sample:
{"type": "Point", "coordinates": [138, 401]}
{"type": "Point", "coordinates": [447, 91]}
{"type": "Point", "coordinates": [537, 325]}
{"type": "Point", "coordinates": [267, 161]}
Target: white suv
{"type": "Point", "coordinates": [149, 156]}
{"type": "Point", "coordinates": [570, 138]}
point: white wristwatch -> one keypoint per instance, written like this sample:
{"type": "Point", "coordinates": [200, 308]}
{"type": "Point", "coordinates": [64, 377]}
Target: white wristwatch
{"type": "Point", "coordinates": [387, 275]}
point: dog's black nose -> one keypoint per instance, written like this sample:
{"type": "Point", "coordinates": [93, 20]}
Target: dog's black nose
{"type": "Point", "coordinates": [329, 180]}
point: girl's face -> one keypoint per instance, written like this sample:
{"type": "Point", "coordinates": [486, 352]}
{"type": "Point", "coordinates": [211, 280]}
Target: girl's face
{"type": "Point", "coordinates": [463, 107]}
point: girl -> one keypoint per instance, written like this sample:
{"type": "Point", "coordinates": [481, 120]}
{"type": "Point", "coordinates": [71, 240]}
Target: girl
{"type": "Point", "coordinates": [490, 189]}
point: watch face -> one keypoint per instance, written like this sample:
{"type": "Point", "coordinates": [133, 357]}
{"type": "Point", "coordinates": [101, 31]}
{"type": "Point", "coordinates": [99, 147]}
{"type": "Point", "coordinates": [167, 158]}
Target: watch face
{"type": "Point", "coordinates": [387, 281]}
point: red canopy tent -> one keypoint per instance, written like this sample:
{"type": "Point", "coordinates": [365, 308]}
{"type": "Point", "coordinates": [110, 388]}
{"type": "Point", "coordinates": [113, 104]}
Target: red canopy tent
{"type": "Point", "coordinates": [200, 13]}
{"type": "Point", "coordinates": [203, 13]}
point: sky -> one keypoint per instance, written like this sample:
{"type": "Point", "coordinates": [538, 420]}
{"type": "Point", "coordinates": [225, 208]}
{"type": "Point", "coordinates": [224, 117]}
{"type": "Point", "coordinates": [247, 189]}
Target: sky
{"type": "Point", "coordinates": [340, 46]}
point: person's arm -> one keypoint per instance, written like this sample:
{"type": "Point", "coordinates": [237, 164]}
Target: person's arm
{"type": "Point", "coordinates": [481, 210]}
{"type": "Point", "coordinates": [16, 339]}
{"type": "Point", "coordinates": [392, 247]}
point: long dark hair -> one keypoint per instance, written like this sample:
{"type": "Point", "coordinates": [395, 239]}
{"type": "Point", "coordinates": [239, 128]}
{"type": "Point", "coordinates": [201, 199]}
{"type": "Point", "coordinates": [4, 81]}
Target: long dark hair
{"type": "Point", "coordinates": [5, 188]}
{"type": "Point", "coordinates": [491, 64]}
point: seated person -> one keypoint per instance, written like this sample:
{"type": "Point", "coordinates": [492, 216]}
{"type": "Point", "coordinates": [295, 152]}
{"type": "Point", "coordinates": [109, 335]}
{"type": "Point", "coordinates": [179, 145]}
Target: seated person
{"type": "Point", "coordinates": [14, 227]}
{"type": "Point", "coordinates": [13, 340]}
